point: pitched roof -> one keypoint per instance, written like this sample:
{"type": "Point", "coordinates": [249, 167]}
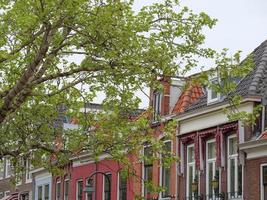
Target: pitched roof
{"type": "Point", "coordinates": [253, 84]}
{"type": "Point", "coordinates": [189, 96]}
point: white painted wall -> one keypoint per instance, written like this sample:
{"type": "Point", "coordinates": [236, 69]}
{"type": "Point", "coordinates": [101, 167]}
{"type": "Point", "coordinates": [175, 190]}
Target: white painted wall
{"type": "Point", "coordinates": [209, 119]}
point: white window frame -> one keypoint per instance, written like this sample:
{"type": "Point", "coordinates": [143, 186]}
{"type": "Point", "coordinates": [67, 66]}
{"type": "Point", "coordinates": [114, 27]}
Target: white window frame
{"type": "Point", "coordinates": [118, 187]}
{"type": "Point", "coordinates": [157, 100]}
{"type": "Point", "coordinates": [64, 188]}
{"type": "Point", "coordinates": [209, 90]}
{"type": "Point", "coordinates": [7, 193]}
{"type": "Point", "coordinates": [235, 157]}
{"type": "Point", "coordinates": [261, 180]}
{"type": "Point", "coordinates": [28, 171]}
{"type": "Point", "coordinates": [77, 181]}
{"type": "Point", "coordinates": [104, 178]}
{"type": "Point", "coordinates": [7, 163]}
{"type": "Point", "coordinates": [208, 161]}
{"type": "Point", "coordinates": [86, 183]}
{"type": "Point", "coordinates": [161, 167]}
{"type": "Point", "coordinates": [2, 166]}
{"type": "Point", "coordinates": [58, 182]}
{"type": "Point", "coordinates": [187, 168]}
{"type": "Point", "coordinates": [143, 171]}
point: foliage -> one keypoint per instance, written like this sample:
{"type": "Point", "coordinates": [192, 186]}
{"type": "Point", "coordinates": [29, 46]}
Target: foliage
{"type": "Point", "coordinates": [56, 55]}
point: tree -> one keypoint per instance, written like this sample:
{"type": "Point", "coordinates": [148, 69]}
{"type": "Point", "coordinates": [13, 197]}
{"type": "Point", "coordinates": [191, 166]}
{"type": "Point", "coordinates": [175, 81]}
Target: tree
{"type": "Point", "coordinates": [60, 53]}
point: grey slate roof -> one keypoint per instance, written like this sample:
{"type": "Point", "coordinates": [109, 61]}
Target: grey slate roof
{"type": "Point", "coordinates": [253, 84]}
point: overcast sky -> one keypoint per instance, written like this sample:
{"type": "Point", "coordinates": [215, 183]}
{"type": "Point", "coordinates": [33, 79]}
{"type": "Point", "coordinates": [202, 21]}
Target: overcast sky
{"type": "Point", "coordinates": [242, 24]}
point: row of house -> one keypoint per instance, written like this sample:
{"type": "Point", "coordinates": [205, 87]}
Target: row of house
{"type": "Point", "coordinates": [219, 159]}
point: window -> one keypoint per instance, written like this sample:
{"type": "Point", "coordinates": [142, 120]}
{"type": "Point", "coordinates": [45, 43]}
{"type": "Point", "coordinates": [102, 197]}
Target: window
{"type": "Point", "coordinates": [264, 182]}
{"type": "Point", "coordinates": [156, 105]}
{"type": "Point", "coordinates": [2, 195]}
{"type": "Point", "coordinates": [107, 187]}
{"type": "Point", "coordinates": [235, 171]}
{"type": "Point", "coordinates": [66, 189]}
{"type": "Point", "coordinates": [166, 173]}
{"type": "Point", "coordinates": [211, 172]}
{"type": "Point", "coordinates": [90, 183]}
{"type": "Point", "coordinates": [148, 167]}
{"type": "Point", "coordinates": [46, 192]}
{"type": "Point", "coordinates": [7, 193]}
{"type": "Point", "coordinates": [28, 173]}
{"type": "Point", "coordinates": [8, 168]}
{"type": "Point", "coordinates": [122, 187]}
{"type": "Point", "coordinates": [191, 173]}
{"type": "Point", "coordinates": [58, 190]}
{"type": "Point", "coordinates": [79, 190]}
{"type": "Point", "coordinates": [40, 192]}
{"type": "Point", "coordinates": [1, 169]}
{"type": "Point", "coordinates": [213, 95]}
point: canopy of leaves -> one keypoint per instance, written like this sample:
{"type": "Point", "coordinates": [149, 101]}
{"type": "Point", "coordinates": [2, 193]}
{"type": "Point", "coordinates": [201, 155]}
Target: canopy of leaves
{"type": "Point", "coordinates": [56, 53]}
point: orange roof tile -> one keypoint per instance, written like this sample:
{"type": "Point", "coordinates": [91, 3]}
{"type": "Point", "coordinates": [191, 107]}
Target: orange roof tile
{"type": "Point", "coordinates": [189, 96]}
{"type": "Point", "coordinates": [263, 135]}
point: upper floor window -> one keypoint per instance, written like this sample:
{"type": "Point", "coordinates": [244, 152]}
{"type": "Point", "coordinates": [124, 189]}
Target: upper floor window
{"type": "Point", "coordinates": [166, 173]}
{"type": "Point", "coordinates": [234, 171]}
{"type": "Point", "coordinates": [213, 95]}
{"type": "Point", "coordinates": [156, 105]}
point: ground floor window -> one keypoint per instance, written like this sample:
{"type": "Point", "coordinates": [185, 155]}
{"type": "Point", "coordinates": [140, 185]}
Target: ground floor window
{"type": "Point", "coordinates": [122, 187]}
{"type": "Point", "coordinates": [147, 172]}
{"type": "Point", "coordinates": [264, 182]}
{"type": "Point", "coordinates": [107, 187]}
{"type": "Point", "coordinates": [43, 192]}
{"type": "Point", "coordinates": [79, 190]}
{"type": "Point", "coordinates": [66, 189]}
{"type": "Point", "coordinates": [166, 172]}
{"type": "Point", "coordinates": [90, 184]}
{"type": "Point", "coordinates": [58, 190]}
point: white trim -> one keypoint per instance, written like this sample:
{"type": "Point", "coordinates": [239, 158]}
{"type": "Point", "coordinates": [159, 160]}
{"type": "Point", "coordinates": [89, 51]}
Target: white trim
{"type": "Point", "coordinates": [235, 158]}
{"type": "Point", "coordinates": [2, 166]}
{"type": "Point", "coordinates": [118, 186]}
{"type": "Point", "coordinates": [187, 166]}
{"type": "Point", "coordinates": [7, 161]}
{"type": "Point", "coordinates": [209, 109]}
{"type": "Point", "coordinates": [208, 161]}
{"type": "Point", "coordinates": [58, 182]}
{"type": "Point", "coordinates": [261, 181]}
{"type": "Point", "coordinates": [160, 171]}
{"type": "Point", "coordinates": [78, 180]}
{"type": "Point", "coordinates": [103, 188]}
{"type": "Point", "coordinates": [64, 188]}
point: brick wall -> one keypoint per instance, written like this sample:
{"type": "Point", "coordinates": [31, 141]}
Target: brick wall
{"type": "Point", "coordinates": [252, 178]}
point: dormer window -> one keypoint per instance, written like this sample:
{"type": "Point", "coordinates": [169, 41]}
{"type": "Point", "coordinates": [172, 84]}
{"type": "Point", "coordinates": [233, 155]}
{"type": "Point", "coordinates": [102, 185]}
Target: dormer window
{"type": "Point", "coordinates": [213, 95]}
{"type": "Point", "coordinates": [156, 105]}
